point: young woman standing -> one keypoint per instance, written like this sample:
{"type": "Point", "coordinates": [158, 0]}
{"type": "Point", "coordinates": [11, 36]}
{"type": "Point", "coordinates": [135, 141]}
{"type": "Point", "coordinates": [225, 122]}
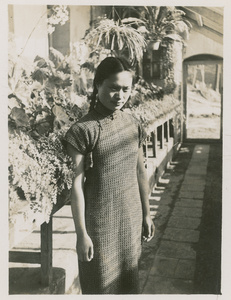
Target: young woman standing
{"type": "Point", "coordinates": [110, 198]}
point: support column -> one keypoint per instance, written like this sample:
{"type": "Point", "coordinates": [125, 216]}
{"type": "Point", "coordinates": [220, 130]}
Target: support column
{"type": "Point", "coordinates": [46, 253]}
{"type": "Point", "coordinates": [154, 143]}
{"type": "Point", "coordinates": [167, 131]}
{"type": "Point", "coordinates": [162, 137]}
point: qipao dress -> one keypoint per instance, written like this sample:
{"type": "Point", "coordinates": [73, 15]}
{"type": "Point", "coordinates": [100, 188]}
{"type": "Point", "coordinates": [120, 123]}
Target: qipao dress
{"type": "Point", "coordinates": [113, 211]}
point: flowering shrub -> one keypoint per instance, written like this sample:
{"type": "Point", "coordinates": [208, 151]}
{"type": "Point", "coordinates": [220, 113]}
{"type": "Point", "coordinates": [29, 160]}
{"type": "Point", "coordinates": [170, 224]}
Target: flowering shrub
{"type": "Point", "coordinates": [38, 172]}
{"type": "Point", "coordinates": [43, 104]}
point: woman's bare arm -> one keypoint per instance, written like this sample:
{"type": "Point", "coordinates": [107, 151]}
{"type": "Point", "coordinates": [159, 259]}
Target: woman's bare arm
{"type": "Point", "coordinates": [148, 225]}
{"type": "Point", "coordinates": [84, 243]}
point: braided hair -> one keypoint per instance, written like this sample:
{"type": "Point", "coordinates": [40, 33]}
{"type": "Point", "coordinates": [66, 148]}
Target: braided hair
{"type": "Point", "coordinates": [107, 67]}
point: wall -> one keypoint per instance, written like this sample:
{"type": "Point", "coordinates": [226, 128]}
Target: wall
{"type": "Point", "coordinates": [199, 43]}
{"type": "Point", "coordinates": [80, 17]}
{"type": "Point", "coordinates": [26, 20]}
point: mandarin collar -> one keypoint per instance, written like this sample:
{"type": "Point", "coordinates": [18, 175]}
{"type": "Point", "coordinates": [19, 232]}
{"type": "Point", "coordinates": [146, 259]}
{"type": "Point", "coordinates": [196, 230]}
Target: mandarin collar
{"type": "Point", "coordinates": [104, 111]}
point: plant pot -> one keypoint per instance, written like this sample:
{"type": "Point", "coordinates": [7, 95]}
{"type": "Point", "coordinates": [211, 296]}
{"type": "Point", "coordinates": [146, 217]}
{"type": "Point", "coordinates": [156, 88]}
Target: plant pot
{"type": "Point", "coordinates": [154, 45]}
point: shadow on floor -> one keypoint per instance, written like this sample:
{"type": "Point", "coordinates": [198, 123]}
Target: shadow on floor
{"type": "Point", "coordinates": [208, 264]}
{"type": "Point", "coordinates": [25, 281]}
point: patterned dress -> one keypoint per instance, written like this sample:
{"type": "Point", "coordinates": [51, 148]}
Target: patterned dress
{"type": "Point", "coordinates": [113, 210]}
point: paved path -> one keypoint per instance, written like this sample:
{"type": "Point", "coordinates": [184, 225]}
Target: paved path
{"type": "Point", "coordinates": [168, 263]}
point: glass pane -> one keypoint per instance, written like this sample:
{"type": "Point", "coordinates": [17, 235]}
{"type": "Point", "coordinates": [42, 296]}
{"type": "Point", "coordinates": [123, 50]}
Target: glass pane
{"type": "Point", "coordinates": [203, 101]}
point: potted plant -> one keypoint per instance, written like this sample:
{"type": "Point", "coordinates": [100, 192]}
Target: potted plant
{"type": "Point", "coordinates": [119, 37]}
{"type": "Point", "coordinates": [160, 22]}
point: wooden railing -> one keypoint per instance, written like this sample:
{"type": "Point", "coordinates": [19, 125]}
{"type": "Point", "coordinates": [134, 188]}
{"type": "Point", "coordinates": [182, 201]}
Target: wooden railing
{"type": "Point", "coordinates": [163, 141]}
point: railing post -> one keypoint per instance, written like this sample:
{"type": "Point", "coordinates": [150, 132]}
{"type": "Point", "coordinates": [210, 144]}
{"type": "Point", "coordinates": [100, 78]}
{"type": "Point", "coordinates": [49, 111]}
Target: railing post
{"type": "Point", "coordinates": [162, 137]}
{"type": "Point", "coordinates": [46, 253]}
{"type": "Point", "coordinates": [175, 129]}
{"type": "Point", "coordinates": [167, 131]}
{"type": "Point", "coordinates": [154, 142]}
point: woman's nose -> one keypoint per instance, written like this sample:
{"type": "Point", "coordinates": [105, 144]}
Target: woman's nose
{"type": "Point", "coordinates": [120, 94]}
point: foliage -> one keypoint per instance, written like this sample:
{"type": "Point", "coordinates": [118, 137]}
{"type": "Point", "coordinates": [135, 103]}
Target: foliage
{"type": "Point", "coordinates": [150, 110]}
{"type": "Point", "coordinates": [48, 96]}
{"type": "Point", "coordinates": [144, 91]}
{"type": "Point", "coordinates": [42, 105]}
{"type": "Point", "coordinates": [150, 102]}
{"type": "Point", "coordinates": [57, 14]}
{"type": "Point", "coordinates": [161, 22]}
{"type": "Point", "coordinates": [162, 26]}
{"type": "Point", "coordinates": [41, 100]}
{"type": "Point", "coordinates": [38, 172]}
{"type": "Point", "coordinates": [117, 36]}
{"type": "Point", "coordinates": [168, 62]}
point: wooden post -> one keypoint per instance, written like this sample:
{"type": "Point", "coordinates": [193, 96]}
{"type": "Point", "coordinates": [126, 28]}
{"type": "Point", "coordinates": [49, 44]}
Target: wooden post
{"type": "Point", "coordinates": [167, 131]}
{"type": "Point", "coordinates": [221, 114]}
{"type": "Point", "coordinates": [218, 72]}
{"type": "Point", "coordinates": [162, 137]}
{"type": "Point", "coordinates": [184, 105]}
{"type": "Point", "coordinates": [46, 253]}
{"type": "Point", "coordinates": [154, 143]}
{"type": "Point", "coordinates": [175, 130]}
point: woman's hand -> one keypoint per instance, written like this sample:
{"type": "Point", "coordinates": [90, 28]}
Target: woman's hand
{"type": "Point", "coordinates": [84, 248]}
{"type": "Point", "coordinates": [148, 229]}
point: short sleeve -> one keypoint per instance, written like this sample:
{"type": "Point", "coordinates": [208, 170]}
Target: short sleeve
{"type": "Point", "coordinates": [82, 137]}
{"type": "Point", "coordinates": [142, 134]}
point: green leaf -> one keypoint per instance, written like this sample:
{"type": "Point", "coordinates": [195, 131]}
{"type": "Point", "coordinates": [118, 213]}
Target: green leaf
{"type": "Point", "coordinates": [61, 116]}
{"type": "Point", "coordinates": [40, 74]}
{"type": "Point", "coordinates": [56, 57]}
{"type": "Point", "coordinates": [42, 63]}
{"type": "Point", "coordinates": [13, 102]}
{"type": "Point", "coordinates": [20, 117]}
{"type": "Point", "coordinates": [43, 127]}
{"type": "Point", "coordinates": [132, 20]}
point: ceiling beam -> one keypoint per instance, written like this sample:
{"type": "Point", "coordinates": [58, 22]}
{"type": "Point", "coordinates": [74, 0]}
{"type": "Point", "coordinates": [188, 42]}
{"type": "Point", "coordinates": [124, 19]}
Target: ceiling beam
{"type": "Point", "coordinates": [207, 32]}
{"type": "Point", "coordinates": [202, 20]}
{"type": "Point", "coordinates": [207, 13]}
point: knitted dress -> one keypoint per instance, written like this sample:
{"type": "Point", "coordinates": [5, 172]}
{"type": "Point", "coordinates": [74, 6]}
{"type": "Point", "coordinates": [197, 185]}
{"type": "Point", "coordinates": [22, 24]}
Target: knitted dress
{"type": "Point", "coordinates": [113, 210]}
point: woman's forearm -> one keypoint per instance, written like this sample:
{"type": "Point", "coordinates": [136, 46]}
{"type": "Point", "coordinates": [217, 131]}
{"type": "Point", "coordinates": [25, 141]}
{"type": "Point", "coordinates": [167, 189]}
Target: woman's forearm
{"type": "Point", "coordinates": [77, 194]}
{"type": "Point", "coordinates": [148, 225]}
{"type": "Point", "coordinates": [78, 208]}
{"type": "Point", "coordinates": [143, 184]}
{"type": "Point", "coordinates": [144, 193]}
{"type": "Point", "coordinates": [84, 244]}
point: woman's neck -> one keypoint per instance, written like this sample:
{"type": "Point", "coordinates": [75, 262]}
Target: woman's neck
{"type": "Point", "coordinates": [103, 110]}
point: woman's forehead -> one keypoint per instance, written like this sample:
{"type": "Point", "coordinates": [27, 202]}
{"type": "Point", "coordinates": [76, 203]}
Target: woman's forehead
{"type": "Point", "coordinates": [122, 78]}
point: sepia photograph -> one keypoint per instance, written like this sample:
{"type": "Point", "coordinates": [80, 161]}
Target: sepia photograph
{"type": "Point", "coordinates": [115, 148]}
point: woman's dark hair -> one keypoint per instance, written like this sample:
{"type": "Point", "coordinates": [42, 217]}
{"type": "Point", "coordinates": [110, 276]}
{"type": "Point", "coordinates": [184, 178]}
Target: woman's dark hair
{"type": "Point", "coordinates": [109, 66]}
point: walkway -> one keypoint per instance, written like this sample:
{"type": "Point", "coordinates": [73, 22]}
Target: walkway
{"type": "Point", "coordinates": [184, 256]}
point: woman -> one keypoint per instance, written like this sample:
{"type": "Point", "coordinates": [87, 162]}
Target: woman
{"type": "Point", "coordinates": [110, 199]}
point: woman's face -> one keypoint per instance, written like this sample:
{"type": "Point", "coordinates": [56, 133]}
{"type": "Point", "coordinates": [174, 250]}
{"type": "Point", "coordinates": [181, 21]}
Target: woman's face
{"type": "Point", "coordinates": [114, 91]}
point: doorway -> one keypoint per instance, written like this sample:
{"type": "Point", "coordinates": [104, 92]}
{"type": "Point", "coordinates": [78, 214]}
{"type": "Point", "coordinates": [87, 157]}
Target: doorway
{"type": "Point", "coordinates": [203, 99]}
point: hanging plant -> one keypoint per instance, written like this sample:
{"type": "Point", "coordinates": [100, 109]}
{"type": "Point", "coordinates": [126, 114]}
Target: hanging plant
{"type": "Point", "coordinates": [117, 36]}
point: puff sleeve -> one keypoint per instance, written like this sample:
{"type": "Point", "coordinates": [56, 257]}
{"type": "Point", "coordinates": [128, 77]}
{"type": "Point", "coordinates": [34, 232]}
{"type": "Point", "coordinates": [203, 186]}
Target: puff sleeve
{"type": "Point", "coordinates": [82, 137]}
